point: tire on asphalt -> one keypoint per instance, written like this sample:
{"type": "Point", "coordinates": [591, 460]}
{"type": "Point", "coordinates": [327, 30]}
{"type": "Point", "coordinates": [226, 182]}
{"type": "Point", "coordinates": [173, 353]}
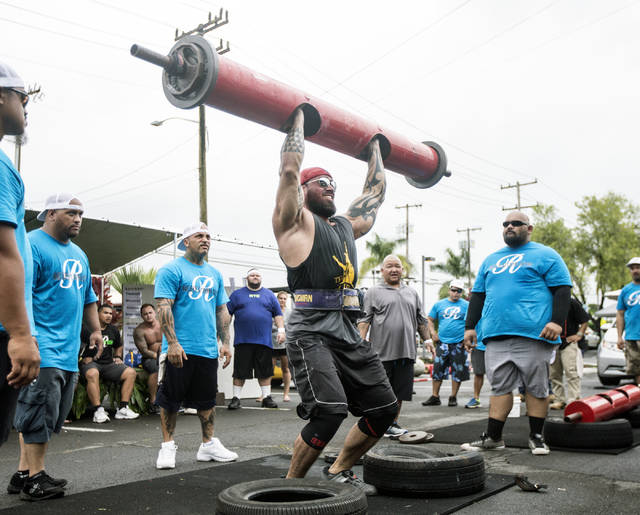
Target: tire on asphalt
{"type": "Point", "coordinates": [609, 381]}
{"type": "Point", "coordinates": [291, 496]}
{"type": "Point", "coordinates": [607, 434]}
{"type": "Point", "coordinates": [407, 470]}
{"type": "Point", "coordinates": [633, 416]}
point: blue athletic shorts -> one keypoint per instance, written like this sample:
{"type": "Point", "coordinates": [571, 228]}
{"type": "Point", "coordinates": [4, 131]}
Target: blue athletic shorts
{"type": "Point", "coordinates": [450, 355]}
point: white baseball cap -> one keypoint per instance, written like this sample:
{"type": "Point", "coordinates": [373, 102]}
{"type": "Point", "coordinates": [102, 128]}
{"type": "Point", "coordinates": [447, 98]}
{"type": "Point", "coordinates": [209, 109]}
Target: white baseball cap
{"type": "Point", "coordinates": [457, 283]}
{"type": "Point", "coordinates": [634, 261]}
{"type": "Point", "coordinates": [9, 78]}
{"type": "Point", "coordinates": [60, 201]}
{"type": "Point", "coordinates": [190, 231]}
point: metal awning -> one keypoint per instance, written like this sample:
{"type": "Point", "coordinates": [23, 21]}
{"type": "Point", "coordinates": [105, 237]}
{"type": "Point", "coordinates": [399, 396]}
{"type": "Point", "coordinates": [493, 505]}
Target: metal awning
{"type": "Point", "coordinates": [110, 245]}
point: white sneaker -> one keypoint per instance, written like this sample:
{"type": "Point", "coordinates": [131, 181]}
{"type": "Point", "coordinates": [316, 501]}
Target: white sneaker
{"type": "Point", "coordinates": [126, 413]}
{"type": "Point", "coordinates": [167, 456]}
{"type": "Point", "coordinates": [215, 451]}
{"type": "Point", "coordinates": [100, 416]}
{"type": "Point", "coordinates": [190, 411]}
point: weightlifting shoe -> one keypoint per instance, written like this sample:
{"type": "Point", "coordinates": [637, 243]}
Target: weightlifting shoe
{"type": "Point", "coordinates": [234, 404]}
{"type": "Point", "coordinates": [268, 402]}
{"type": "Point", "coordinates": [537, 445]}
{"type": "Point", "coordinates": [215, 451]}
{"type": "Point", "coordinates": [19, 479]}
{"type": "Point", "coordinates": [126, 413]}
{"type": "Point", "coordinates": [167, 456]}
{"type": "Point", "coordinates": [432, 401]}
{"type": "Point", "coordinates": [486, 443]}
{"type": "Point", "coordinates": [41, 487]}
{"type": "Point", "coordinates": [348, 477]}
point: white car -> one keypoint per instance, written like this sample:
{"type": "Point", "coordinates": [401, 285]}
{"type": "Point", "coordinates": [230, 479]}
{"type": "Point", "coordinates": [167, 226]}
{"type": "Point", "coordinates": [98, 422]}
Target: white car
{"type": "Point", "coordinates": [611, 362]}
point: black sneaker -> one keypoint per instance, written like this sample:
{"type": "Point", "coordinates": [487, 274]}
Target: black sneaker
{"type": "Point", "coordinates": [537, 445]}
{"type": "Point", "coordinates": [452, 401]}
{"type": "Point", "coordinates": [234, 404]}
{"type": "Point", "coordinates": [18, 480]}
{"type": "Point", "coordinates": [41, 487]}
{"type": "Point", "coordinates": [268, 402]}
{"type": "Point", "coordinates": [432, 401]}
{"type": "Point", "coordinates": [347, 476]}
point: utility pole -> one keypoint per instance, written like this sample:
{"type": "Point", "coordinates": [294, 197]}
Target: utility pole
{"type": "Point", "coordinates": [406, 207]}
{"type": "Point", "coordinates": [517, 186]}
{"type": "Point", "coordinates": [468, 230]}
{"type": "Point", "coordinates": [212, 23]}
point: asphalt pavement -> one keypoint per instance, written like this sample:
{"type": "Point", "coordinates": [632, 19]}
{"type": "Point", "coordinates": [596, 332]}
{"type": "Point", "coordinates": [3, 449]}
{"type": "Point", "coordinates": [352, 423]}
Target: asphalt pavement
{"type": "Point", "coordinates": [94, 456]}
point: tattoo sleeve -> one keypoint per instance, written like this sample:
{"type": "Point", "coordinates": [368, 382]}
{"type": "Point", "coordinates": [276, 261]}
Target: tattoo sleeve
{"type": "Point", "coordinates": [363, 210]}
{"type": "Point", "coordinates": [222, 323]}
{"type": "Point", "coordinates": [206, 421]}
{"type": "Point", "coordinates": [423, 330]}
{"type": "Point", "coordinates": [165, 317]}
{"type": "Point", "coordinates": [141, 344]}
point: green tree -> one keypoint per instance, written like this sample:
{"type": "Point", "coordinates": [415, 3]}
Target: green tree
{"type": "Point", "coordinates": [551, 230]}
{"type": "Point", "coordinates": [608, 235]}
{"type": "Point", "coordinates": [456, 265]}
{"type": "Point", "coordinates": [378, 249]}
{"type": "Point", "coordinates": [133, 274]}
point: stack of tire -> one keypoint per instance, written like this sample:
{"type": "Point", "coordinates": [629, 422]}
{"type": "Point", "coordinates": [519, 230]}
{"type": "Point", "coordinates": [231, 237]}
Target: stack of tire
{"type": "Point", "coordinates": [425, 472]}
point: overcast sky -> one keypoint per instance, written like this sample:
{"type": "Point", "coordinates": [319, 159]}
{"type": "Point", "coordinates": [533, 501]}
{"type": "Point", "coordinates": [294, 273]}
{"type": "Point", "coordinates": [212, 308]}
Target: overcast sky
{"type": "Point", "coordinates": [512, 89]}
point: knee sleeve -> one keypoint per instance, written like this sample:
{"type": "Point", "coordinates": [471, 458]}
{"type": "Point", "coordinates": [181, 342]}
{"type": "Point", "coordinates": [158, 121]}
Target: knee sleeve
{"type": "Point", "coordinates": [376, 426]}
{"type": "Point", "coordinates": [321, 429]}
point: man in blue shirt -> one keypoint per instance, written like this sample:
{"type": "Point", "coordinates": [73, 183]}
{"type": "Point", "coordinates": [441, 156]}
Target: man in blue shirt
{"type": "Point", "coordinates": [448, 339]}
{"type": "Point", "coordinates": [522, 293]}
{"type": "Point", "coordinates": [19, 358]}
{"type": "Point", "coordinates": [192, 311]}
{"type": "Point", "coordinates": [62, 297]}
{"type": "Point", "coordinates": [628, 319]}
{"type": "Point", "coordinates": [255, 309]}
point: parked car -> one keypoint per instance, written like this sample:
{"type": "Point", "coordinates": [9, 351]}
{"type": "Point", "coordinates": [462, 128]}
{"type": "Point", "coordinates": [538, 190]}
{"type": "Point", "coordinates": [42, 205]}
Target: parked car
{"type": "Point", "coordinates": [611, 362]}
{"type": "Point", "coordinates": [592, 338]}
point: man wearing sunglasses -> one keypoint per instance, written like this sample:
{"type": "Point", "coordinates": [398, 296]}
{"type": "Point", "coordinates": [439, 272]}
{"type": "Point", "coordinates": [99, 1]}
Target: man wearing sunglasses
{"type": "Point", "coordinates": [19, 357]}
{"type": "Point", "coordinates": [336, 371]}
{"type": "Point", "coordinates": [522, 293]}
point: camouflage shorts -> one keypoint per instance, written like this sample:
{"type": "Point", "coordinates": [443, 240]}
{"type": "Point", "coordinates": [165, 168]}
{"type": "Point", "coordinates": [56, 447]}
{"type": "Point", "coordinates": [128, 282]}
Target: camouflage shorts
{"type": "Point", "coordinates": [632, 355]}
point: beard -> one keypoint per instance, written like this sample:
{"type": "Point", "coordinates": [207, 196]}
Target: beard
{"type": "Point", "coordinates": [515, 239]}
{"type": "Point", "coordinates": [254, 284]}
{"type": "Point", "coordinates": [321, 209]}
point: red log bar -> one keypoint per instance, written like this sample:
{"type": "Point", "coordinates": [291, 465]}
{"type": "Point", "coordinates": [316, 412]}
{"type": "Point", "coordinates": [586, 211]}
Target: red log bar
{"type": "Point", "coordinates": [603, 406]}
{"type": "Point", "coordinates": [195, 74]}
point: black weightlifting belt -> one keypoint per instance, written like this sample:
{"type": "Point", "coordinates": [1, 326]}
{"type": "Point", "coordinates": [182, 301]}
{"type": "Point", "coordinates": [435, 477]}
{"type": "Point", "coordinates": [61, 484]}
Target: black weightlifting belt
{"type": "Point", "coordinates": [327, 300]}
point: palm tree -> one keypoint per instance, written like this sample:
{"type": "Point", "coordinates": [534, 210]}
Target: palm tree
{"type": "Point", "coordinates": [455, 265]}
{"type": "Point", "coordinates": [133, 274]}
{"type": "Point", "coordinates": [380, 248]}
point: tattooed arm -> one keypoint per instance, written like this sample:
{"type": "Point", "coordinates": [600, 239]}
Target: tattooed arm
{"type": "Point", "coordinates": [141, 344]}
{"type": "Point", "coordinates": [363, 210]}
{"type": "Point", "coordinates": [223, 319]}
{"type": "Point", "coordinates": [175, 353]}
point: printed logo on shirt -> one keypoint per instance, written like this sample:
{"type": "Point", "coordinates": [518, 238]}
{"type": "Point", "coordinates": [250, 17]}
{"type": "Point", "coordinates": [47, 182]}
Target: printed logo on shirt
{"type": "Point", "coordinates": [254, 295]}
{"type": "Point", "coordinates": [106, 340]}
{"type": "Point", "coordinates": [71, 274]}
{"type": "Point", "coordinates": [452, 312]}
{"type": "Point", "coordinates": [510, 263]}
{"type": "Point", "coordinates": [634, 298]}
{"type": "Point", "coordinates": [345, 280]}
{"type": "Point", "coordinates": [202, 285]}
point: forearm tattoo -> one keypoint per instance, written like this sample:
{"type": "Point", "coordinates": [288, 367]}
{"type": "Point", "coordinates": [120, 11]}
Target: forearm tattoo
{"type": "Point", "coordinates": [206, 421]}
{"type": "Point", "coordinates": [423, 330]}
{"type": "Point", "coordinates": [294, 142]}
{"type": "Point", "coordinates": [165, 317]}
{"type": "Point", "coordinates": [141, 344]}
{"type": "Point", "coordinates": [366, 205]}
{"type": "Point", "coordinates": [222, 324]}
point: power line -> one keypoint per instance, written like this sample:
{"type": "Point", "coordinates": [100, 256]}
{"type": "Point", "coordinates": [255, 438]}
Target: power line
{"type": "Point", "coordinates": [517, 186]}
{"type": "Point", "coordinates": [133, 13]}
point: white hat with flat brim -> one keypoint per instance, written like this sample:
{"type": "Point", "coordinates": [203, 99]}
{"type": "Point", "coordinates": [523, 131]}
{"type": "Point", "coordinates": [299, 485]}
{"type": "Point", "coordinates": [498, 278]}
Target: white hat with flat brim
{"type": "Point", "coordinates": [9, 78]}
{"type": "Point", "coordinates": [457, 283]}
{"type": "Point", "coordinates": [59, 201]}
{"type": "Point", "coordinates": [190, 231]}
{"type": "Point", "coordinates": [634, 261]}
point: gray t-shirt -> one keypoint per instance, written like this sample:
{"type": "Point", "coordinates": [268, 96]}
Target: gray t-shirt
{"type": "Point", "coordinates": [394, 315]}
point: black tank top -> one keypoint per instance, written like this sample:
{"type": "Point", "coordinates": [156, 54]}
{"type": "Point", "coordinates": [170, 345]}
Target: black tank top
{"type": "Point", "coordinates": [332, 263]}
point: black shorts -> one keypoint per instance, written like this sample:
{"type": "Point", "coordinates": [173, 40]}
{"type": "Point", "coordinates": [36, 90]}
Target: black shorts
{"type": "Point", "coordinates": [252, 360]}
{"type": "Point", "coordinates": [195, 385]}
{"type": "Point", "coordinates": [276, 353]}
{"type": "Point", "coordinates": [400, 374]}
{"type": "Point", "coordinates": [108, 371]}
{"type": "Point", "coordinates": [335, 377]}
{"type": "Point", "coordinates": [8, 394]}
{"type": "Point", "coordinates": [150, 365]}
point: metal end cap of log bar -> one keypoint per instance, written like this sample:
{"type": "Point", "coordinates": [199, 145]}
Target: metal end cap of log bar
{"type": "Point", "coordinates": [441, 171]}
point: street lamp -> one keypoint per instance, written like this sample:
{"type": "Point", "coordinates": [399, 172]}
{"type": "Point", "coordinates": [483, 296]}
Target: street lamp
{"type": "Point", "coordinates": [202, 156]}
{"type": "Point", "coordinates": [425, 258]}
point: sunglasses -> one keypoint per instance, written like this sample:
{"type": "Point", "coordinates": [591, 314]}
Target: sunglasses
{"type": "Point", "coordinates": [24, 97]}
{"type": "Point", "coordinates": [324, 183]}
{"type": "Point", "coordinates": [514, 223]}
{"type": "Point", "coordinates": [456, 290]}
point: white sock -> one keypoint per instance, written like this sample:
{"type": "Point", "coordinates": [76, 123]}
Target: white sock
{"type": "Point", "coordinates": [266, 390]}
{"type": "Point", "coordinates": [237, 390]}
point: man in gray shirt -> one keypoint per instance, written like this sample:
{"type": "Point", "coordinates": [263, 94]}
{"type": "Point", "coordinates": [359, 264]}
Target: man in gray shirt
{"type": "Point", "coordinates": [392, 315]}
